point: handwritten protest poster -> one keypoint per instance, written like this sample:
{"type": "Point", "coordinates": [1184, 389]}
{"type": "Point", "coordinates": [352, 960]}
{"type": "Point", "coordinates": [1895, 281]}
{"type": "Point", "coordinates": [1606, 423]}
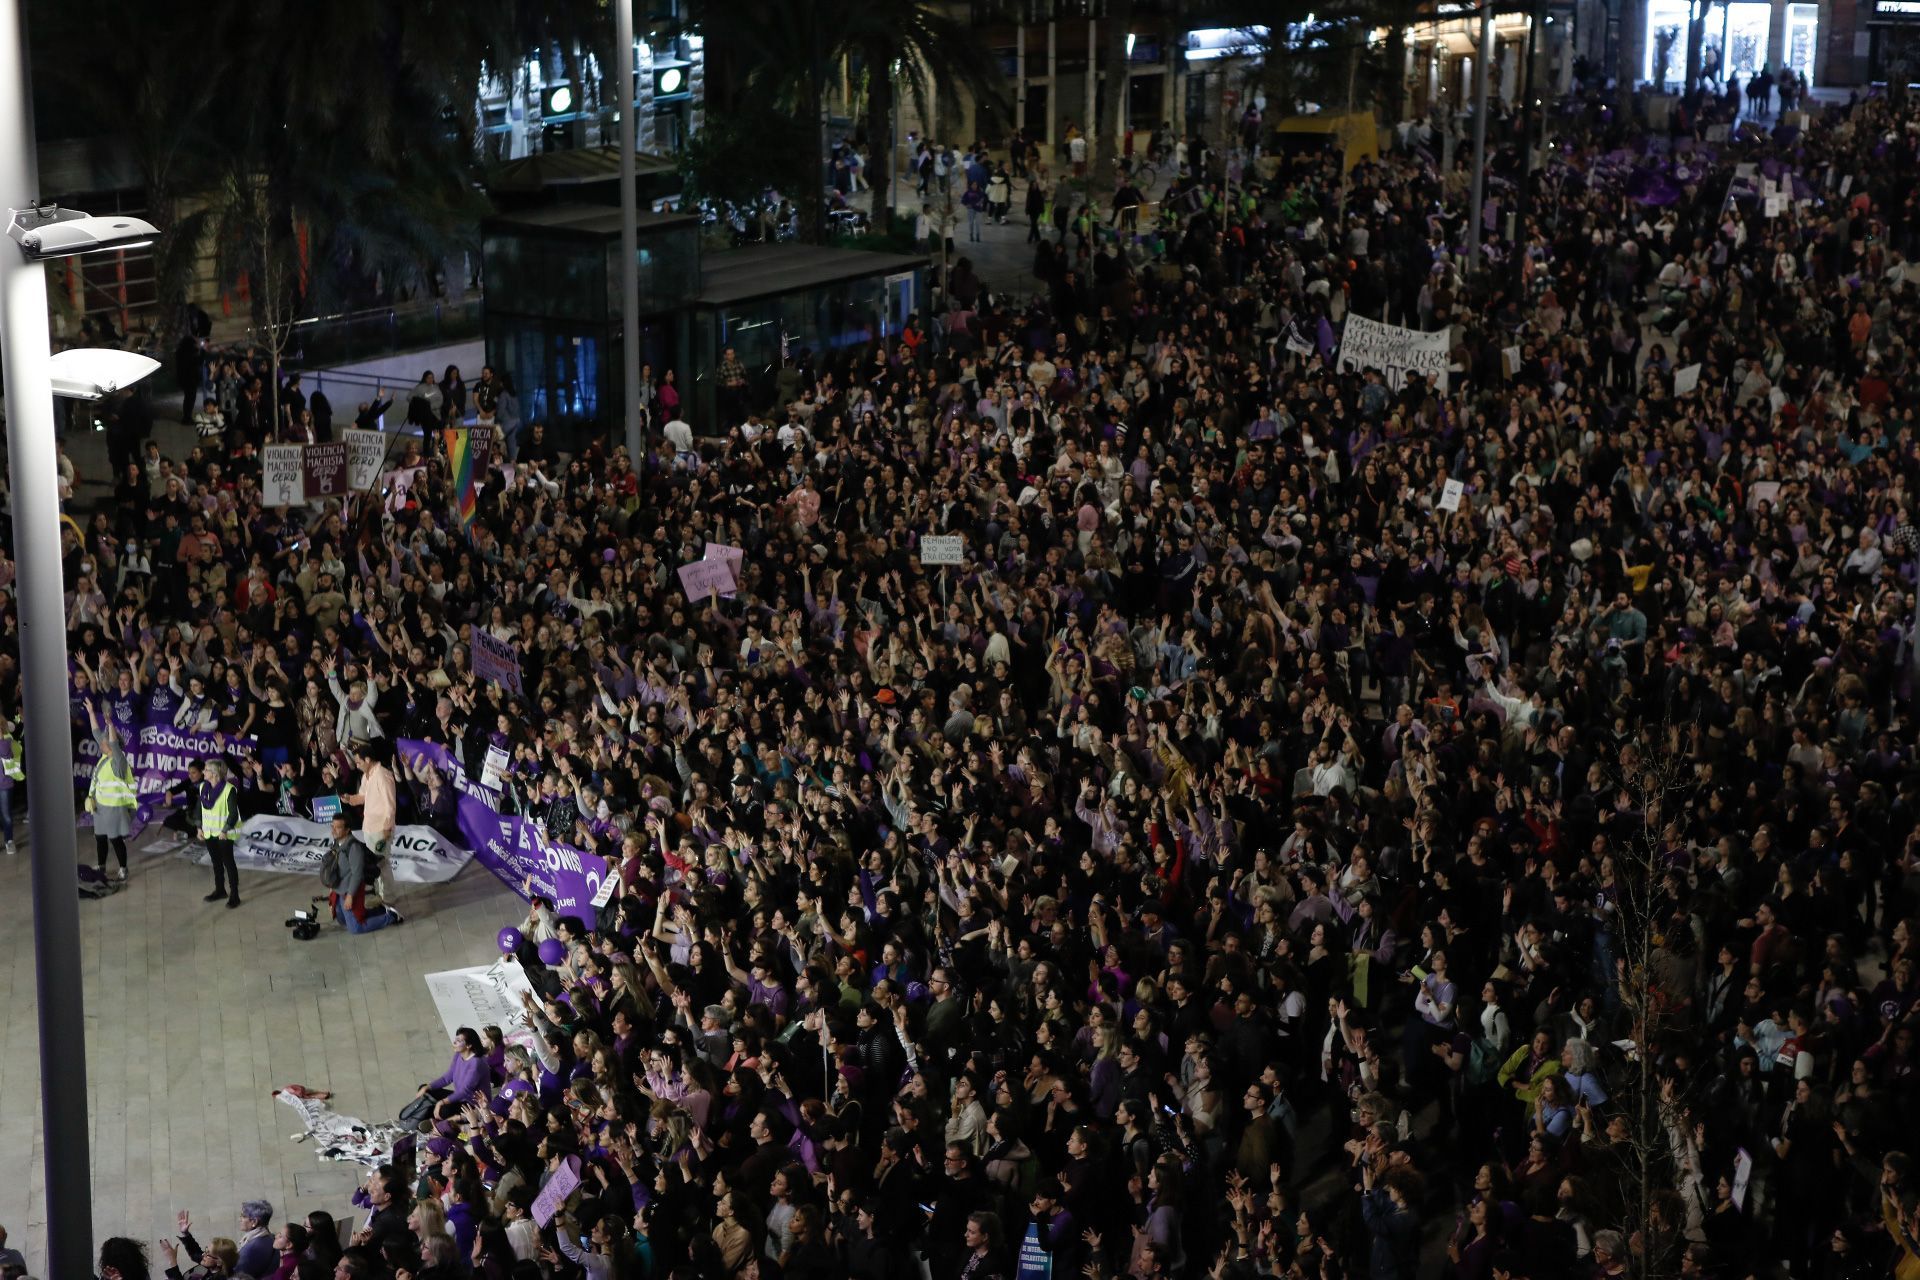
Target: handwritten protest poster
{"type": "Point", "coordinates": [282, 477]}
{"type": "Point", "coordinates": [945, 548]}
{"type": "Point", "coordinates": [1686, 379]}
{"type": "Point", "coordinates": [564, 1182]}
{"type": "Point", "coordinates": [496, 661]}
{"type": "Point", "coordinates": [366, 454]}
{"type": "Point", "coordinates": [731, 556]}
{"type": "Point", "coordinates": [703, 578]}
{"type": "Point", "coordinates": [325, 469]}
{"type": "Point", "coordinates": [1394, 350]}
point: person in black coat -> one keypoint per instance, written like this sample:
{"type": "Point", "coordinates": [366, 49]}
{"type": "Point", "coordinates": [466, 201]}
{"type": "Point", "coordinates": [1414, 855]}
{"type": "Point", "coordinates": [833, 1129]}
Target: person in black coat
{"type": "Point", "coordinates": [189, 362]}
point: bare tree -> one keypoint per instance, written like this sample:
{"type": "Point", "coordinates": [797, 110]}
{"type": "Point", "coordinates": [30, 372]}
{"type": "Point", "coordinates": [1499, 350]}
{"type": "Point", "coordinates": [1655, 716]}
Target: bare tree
{"type": "Point", "coordinates": [1649, 937]}
{"type": "Point", "coordinates": [256, 246]}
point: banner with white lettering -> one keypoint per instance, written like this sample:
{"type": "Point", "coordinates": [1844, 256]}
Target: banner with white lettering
{"type": "Point", "coordinates": [1394, 350]}
{"type": "Point", "coordinates": [417, 855]}
{"type": "Point", "coordinates": [160, 754]}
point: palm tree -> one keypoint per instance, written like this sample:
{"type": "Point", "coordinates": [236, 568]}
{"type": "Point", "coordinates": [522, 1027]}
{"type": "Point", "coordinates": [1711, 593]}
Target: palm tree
{"type": "Point", "coordinates": [928, 48]}
{"type": "Point", "coordinates": [793, 47]}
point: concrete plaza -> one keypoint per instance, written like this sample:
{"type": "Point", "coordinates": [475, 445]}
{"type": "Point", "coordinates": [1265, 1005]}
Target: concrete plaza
{"type": "Point", "coordinates": [195, 1014]}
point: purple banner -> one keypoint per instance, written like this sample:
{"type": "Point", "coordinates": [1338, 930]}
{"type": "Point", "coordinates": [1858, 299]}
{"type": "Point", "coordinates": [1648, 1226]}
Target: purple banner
{"type": "Point", "coordinates": [512, 847]}
{"type": "Point", "coordinates": [159, 754]}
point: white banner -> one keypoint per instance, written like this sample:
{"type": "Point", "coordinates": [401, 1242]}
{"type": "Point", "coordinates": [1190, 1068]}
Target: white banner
{"type": "Point", "coordinates": [366, 456]}
{"type": "Point", "coordinates": [1394, 350]}
{"type": "Point", "coordinates": [418, 855]}
{"type": "Point", "coordinates": [486, 995]}
{"type": "Point", "coordinates": [283, 480]}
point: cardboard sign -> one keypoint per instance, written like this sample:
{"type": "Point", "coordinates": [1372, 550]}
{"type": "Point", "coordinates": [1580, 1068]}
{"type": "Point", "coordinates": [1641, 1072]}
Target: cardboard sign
{"type": "Point", "coordinates": [732, 557]}
{"type": "Point", "coordinates": [496, 661]}
{"type": "Point", "coordinates": [946, 548]}
{"type": "Point", "coordinates": [1685, 380]}
{"type": "Point", "coordinates": [1510, 360]}
{"type": "Point", "coordinates": [605, 893]}
{"type": "Point", "coordinates": [703, 578]}
{"type": "Point", "coordinates": [564, 1182]}
{"type": "Point", "coordinates": [1776, 205]}
{"type": "Point", "coordinates": [366, 455]}
{"type": "Point", "coordinates": [1450, 495]}
{"type": "Point", "coordinates": [325, 466]}
{"type": "Point", "coordinates": [282, 476]}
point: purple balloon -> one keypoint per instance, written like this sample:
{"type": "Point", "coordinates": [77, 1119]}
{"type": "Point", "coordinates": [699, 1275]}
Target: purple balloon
{"type": "Point", "coordinates": [509, 940]}
{"type": "Point", "coordinates": [552, 951]}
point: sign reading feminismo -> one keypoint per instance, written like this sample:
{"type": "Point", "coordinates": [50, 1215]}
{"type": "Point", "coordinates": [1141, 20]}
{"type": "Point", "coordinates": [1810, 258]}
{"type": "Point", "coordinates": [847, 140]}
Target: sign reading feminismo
{"type": "Point", "coordinates": [1394, 350]}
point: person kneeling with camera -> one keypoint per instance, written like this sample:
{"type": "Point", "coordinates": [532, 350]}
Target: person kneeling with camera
{"type": "Point", "coordinates": [349, 870]}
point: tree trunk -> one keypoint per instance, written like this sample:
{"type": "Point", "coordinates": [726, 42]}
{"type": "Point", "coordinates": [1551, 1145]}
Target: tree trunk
{"type": "Point", "coordinates": [1113, 56]}
{"type": "Point", "coordinates": [1632, 51]}
{"type": "Point", "coordinates": [880, 139]}
{"type": "Point", "coordinates": [1396, 103]}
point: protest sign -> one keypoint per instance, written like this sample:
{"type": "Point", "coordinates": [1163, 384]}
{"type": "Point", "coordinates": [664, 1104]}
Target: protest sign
{"type": "Point", "coordinates": [325, 808]}
{"type": "Point", "coordinates": [706, 577]}
{"type": "Point", "coordinates": [159, 754]}
{"type": "Point", "coordinates": [1394, 350]}
{"type": "Point", "coordinates": [366, 455]}
{"type": "Point", "coordinates": [1298, 345]}
{"type": "Point", "coordinates": [1776, 205]}
{"type": "Point", "coordinates": [496, 661]}
{"type": "Point", "coordinates": [561, 1183]}
{"type": "Point", "coordinates": [295, 846]}
{"type": "Point", "coordinates": [732, 557]}
{"type": "Point", "coordinates": [325, 466]}
{"type": "Point", "coordinates": [1510, 360]}
{"type": "Point", "coordinates": [947, 548]}
{"type": "Point", "coordinates": [282, 476]}
{"type": "Point", "coordinates": [486, 995]}
{"type": "Point", "coordinates": [397, 484]}
{"type": "Point", "coordinates": [1450, 495]}
{"type": "Point", "coordinates": [1686, 379]}
{"type": "Point", "coordinates": [509, 846]}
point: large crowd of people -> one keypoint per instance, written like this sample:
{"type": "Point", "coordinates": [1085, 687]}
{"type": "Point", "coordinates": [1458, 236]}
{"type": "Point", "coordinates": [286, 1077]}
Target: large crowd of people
{"type": "Point", "coordinates": [1249, 861]}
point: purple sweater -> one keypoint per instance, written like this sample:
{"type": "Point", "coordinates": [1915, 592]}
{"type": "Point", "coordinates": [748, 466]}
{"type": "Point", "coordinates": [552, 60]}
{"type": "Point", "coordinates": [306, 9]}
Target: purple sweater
{"type": "Point", "coordinates": [466, 1077]}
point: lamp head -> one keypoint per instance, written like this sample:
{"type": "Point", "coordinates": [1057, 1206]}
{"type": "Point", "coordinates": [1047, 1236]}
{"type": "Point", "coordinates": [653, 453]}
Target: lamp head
{"type": "Point", "coordinates": [44, 232]}
{"type": "Point", "coordinates": [94, 373]}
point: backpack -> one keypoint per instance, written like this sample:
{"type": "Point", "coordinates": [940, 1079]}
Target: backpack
{"type": "Point", "coordinates": [330, 868]}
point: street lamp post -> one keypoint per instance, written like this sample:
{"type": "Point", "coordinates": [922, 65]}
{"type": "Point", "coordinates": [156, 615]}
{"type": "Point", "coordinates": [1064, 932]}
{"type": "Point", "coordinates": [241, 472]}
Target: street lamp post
{"type": "Point", "coordinates": [38, 235]}
{"type": "Point", "coordinates": [43, 682]}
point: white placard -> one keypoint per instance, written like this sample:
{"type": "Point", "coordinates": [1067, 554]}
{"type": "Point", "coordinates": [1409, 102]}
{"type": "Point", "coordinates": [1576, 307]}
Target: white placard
{"type": "Point", "coordinates": [1510, 360]}
{"type": "Point", "coordinates": [1450, 495]}
{"type": "Point", "coordinates": [283, 481]}
{"type": "Point", "coordinates": [1685, 380]}
{"type": "Point", "coordinates": [487, 995]}
{"type": "Point", "coordinates": [1742, 1175]}
{"type": "Point", "coordinates": [1394, 350]}
{"type": "Point", "coordinates": [1846, 185]}
{"type": "Point", "coordinates": [942, 548]}
{"type": "Point", "coordinates": [1298, 345]}
{"type": "Point", "coordinates": [1776, 205]}
{"type": "Point", "coordinates": [366, 455]}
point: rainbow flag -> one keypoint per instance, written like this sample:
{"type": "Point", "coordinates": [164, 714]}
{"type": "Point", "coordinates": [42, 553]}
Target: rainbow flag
{"type": "Point", "coordinates": [464, 463]}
